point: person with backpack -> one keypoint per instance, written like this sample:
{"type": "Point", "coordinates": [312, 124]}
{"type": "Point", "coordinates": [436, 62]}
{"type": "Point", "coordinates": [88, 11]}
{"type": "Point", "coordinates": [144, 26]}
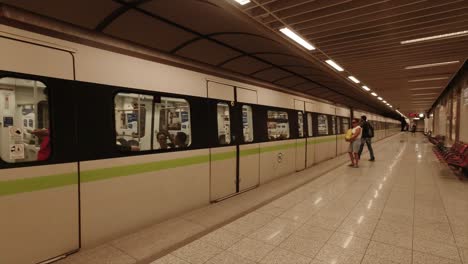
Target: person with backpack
{"type": "Point", "coordinates": [367, 135]}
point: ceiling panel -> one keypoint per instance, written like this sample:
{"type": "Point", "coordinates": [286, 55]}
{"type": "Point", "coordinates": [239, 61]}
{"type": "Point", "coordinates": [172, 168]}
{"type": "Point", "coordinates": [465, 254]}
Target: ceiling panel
{"type": "Point", "coordinates": [364, 37]}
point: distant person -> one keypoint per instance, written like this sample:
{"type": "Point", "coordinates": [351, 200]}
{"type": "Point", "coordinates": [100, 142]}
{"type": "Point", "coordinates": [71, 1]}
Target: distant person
{"type": "Point", "coordinates": [355, 143]}
{"type": "Point", "coordinates": [367, 135]}
{"type": "Point", "coordinates": [413, 129]}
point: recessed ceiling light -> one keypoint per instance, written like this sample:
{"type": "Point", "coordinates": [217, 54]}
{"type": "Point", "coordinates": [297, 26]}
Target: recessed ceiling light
{"type": "Point", "coordinates": [425, 88]}
{"type": "Point", "coordinates": [334, 65]}
{"type": "Point", "coordinates": [366, 88]}
{"type": "Point", "coordinates": [436, 37]}
{"type": "Point", "coordinates": [374, 94]}
{"type": "Point", "coordinates": [296, 38]}
{"type": "Point", "coordinates": [243, 2]}
{"type": "Point", "coordinates": [429, 79]}
{"type": "Point", "coordinates": [431, 65]}
{"type": "Point", "coordinates": [352, 78]}
{"type": "Point", "coordinates": [380, 98]}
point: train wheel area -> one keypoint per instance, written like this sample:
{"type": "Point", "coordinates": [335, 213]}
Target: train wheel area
{"type": "Point", "coordinates": [328, 207]}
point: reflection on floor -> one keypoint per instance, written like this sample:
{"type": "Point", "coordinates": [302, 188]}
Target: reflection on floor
{"type": "Point", "coordinates": [405, 207]}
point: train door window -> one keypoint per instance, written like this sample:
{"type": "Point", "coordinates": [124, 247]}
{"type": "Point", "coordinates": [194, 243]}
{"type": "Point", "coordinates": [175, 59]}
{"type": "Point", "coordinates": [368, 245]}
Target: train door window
{"type": "Point", "coordinates": [224, 124]}
{"type": "Point", "coordinates": [132, 114]}
{"type": "Point", "coordinates": [333, 125]}
{"type": "Point", "coordinates": [322, 125]}
{"type": "Point", "coordinates": [310, 132]}
{"type": "Point", "coordinates": [278, 125]}
{"type": "Point", "coordinates": [300, 122]}
{"type": "Point", "coordinates": [344, 125]}
{"type": "Point", "coordinates": [24, 121]}
{"type": "Point", "coordinates": [247, 123]}
{"type": "Point", "coordinates": [172, 127]}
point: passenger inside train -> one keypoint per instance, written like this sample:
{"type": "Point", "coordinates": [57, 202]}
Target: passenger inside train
{"type": "Point", "coordinates": [24, 118]}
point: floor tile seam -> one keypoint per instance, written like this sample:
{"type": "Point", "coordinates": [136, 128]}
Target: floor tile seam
{"type": "Point", "coordinates": [380, 217]}
{"type": "Point", "coordinates": [341, 222]}
{"type": "Point", "coordinates": [428, 253]}
{"type": "Point", "coordinates": [122, 251]}
{"type": "Point", "coordinates": [414, 216]}
{"type": "Point", "coordinates": [449, 222]}
{"type": "Point", "coordinates": [304, 224]}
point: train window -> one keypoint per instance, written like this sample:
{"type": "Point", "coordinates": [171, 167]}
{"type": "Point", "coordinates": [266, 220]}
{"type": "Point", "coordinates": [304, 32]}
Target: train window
{"type": "Point", "coordinates": [224, 124]}
{"type": "Point", "coordinates": [344, 125]}
{"type": "Point", "coordinates": [278, 125]}
{"type": "Point", "coordinates": [309, 125]}
{"type": "Point", "coordinates": [172, 127]}
{"type": "Point", "coordinates": [322, 124]}
{"type": "Point", "coordinates": [24, 121]}
{"type": "Point", "coordinates": [247, 123]}
{"type": "Point", "coordinates": [300, 122]}
{"type": "Point", "coordinates": [132, 113]}
{"type": "Point", "coordinates": [333, 125]}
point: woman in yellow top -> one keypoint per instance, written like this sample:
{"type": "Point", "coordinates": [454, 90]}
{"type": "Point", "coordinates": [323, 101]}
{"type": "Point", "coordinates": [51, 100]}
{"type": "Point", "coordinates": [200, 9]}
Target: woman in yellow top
{"type": "Point", "coordinates": [354, 144]}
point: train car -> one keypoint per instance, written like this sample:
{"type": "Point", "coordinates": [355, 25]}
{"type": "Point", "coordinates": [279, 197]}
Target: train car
{"type": "Point", "coordinates": [95, 144]}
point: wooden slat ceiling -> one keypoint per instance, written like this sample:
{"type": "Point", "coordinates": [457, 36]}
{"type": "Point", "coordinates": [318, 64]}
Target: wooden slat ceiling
{"type": "Point", "coordinates": [364, 36]}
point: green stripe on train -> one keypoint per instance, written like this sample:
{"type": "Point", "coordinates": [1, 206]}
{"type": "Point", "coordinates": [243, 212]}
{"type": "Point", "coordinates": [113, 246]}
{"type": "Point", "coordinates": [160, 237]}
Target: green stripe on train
{"type": "Point", "coordinates": [15, 186]}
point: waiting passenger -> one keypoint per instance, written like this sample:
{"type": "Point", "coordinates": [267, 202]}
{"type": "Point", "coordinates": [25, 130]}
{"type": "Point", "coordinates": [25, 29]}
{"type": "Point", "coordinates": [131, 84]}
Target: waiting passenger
{"type": "Point", "coordinates": [180, 140]}
{"type": "Point", "coordinates": [354, 144]}
{"type": "Point", "coordinates": [162, 140]}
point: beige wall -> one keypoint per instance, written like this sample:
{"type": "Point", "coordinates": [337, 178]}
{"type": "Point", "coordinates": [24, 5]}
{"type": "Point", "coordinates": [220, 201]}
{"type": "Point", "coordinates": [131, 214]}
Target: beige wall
{"type": "Point", "coordinates": [463, 136]}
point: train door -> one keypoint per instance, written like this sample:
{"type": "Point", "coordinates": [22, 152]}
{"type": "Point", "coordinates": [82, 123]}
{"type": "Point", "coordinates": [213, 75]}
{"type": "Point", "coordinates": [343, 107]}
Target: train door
{"type": "Point", "coordinates": [249, 151]}
{"type": "Point", "coordinates": [301, 141]}
{"type": "Point", "coordinates": [223, 157]}
{"type": "Point", "coordinates": [38, 181]}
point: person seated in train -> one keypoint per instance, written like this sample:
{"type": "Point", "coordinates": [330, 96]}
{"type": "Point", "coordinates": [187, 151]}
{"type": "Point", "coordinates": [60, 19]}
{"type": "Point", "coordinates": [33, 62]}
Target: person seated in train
{"type": "Point", "coordinates": [162, 137]}
{"type": "Point", "coordinates": [180, 140]}
{"type": "Point", "coordinates": [44, 138]}
{"type": "Point", "coordinates": [124, 145]}
{"type": "Point", "coordinates": [222, 139]}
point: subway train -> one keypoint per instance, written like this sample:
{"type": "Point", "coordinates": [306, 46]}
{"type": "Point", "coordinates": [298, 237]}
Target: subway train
{"type": "Point", "coordinates": [95, 144]}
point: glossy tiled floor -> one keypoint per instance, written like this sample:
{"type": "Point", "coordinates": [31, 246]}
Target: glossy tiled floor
{"type": "Point", "coordinates": [403, 208]}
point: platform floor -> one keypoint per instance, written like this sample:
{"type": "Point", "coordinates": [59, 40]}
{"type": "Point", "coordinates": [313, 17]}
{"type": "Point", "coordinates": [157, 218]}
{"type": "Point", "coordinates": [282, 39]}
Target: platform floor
{"type": "Point", "coordinates": [406, 207]}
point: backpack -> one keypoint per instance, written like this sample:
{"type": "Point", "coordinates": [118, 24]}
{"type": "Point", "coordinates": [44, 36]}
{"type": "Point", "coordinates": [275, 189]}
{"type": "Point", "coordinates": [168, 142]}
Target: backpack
{"type": "Point", "coordinates": [370, 130]}
{"type": "Point", "coordinates": [349, 134]}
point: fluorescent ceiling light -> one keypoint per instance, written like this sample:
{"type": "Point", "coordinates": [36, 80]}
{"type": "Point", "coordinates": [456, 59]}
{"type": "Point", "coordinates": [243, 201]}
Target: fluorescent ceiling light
{"type": "Point", "coordinates": [374, 94]}
{"type": "Point", "coordinates": [429, 79]}
{"type": "Point", "coordinates": [380, 98]}
{"type": "Point", "coordinates": [334, 65]}
{"type": "Point", "coordinates": [366, 88]}
{"type": "Point", "coordinates": [436, 37]}
{"type": "Point", "coordinates": [352, 78]}
{"type": "Point", "coordinates": [384, 101]}
{"type": "Point", "coordinates": [425, 88]}
{"type": "Point", "coordinates": [416, 118]}
{"type": "Point", "coordinates": [296, 38]}
{"type": "Point", "coordinates": [243, 2]}
{"type": "Point", "coordinates": [425, 94]}
{"type": "Point", "coordinates": [431, 65]}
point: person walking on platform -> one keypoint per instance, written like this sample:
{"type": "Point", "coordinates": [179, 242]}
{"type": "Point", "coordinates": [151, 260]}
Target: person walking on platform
{"type": "Point", "coordinates": [367, 135]}
{"type": "Point", "coordinates": [354, 143]}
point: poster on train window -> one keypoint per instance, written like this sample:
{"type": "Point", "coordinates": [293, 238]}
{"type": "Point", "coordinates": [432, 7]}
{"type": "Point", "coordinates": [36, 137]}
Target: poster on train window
{"type": "Point", "coordinates": [322, 123]}
{"type": "Point", "coordinates": [173, 120]}
{"type": "Point", "coordinates": [16, 151]}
